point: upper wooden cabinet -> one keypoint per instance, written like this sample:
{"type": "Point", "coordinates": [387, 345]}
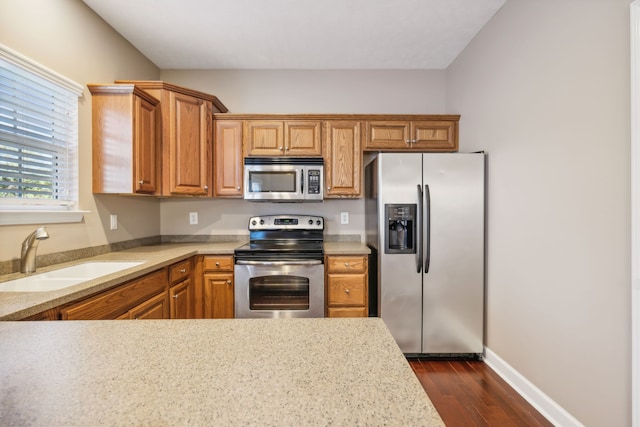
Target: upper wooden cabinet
{"type": "Point", "coordinates": [438, 134]}
{"type": "Point", "coordinates": [342, 158]}
{"type": "Point", "coordinates": [282, 138]}
{"type": "Point", "coordinates": [125, 139]}
{"type": "Point", "coordinates": [187, 136]}
{"type": "Point", "coordinates": [227, 159]}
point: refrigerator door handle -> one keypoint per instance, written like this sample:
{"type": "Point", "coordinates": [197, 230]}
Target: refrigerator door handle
{"type": "Point", "coordinates": [427, 231]}
{"type": "Point", "coordinates": [419, 229]}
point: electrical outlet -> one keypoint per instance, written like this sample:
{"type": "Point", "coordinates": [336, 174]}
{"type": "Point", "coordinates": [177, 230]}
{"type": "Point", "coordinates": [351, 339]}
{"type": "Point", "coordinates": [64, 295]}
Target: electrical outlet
{"type": "Point", "coordinates": [193, 218]}
{"type": "Point", "coordinates": [114, 222]}
{"type": "Point", "coordinates": [344, 217]}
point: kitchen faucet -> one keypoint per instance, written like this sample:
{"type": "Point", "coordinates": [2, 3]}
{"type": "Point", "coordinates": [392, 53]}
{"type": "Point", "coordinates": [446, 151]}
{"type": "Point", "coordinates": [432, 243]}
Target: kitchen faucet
{"type": "Point", "coordinates": [29, 246]}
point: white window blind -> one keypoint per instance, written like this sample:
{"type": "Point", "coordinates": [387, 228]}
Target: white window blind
{"type": "Point", "coordinates": [38, 136]}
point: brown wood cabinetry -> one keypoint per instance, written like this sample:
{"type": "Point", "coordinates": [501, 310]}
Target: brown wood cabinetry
{"type": "Point", "coordinates": [282, 138]}
{"type": "Point", "coordinates": [437, 134]}
{"type": "Point", "coordinates": [186, 137]}
{"type": "Point", "coordinates": [116, 302]}
{"type": "Point", "coordinates": [218, 288]}
{"type": "Point", "coordinates": [154, 308]}
{"type": "Point", "coordinates": [125, 139]}
{"type": "Point", "coordinates": [182, 300]}
{"type": "Point", "coordinates": [346, 285]}
{"type": "Point", "coordinates": [342, 158]}
{"type": "Point", "coordinates": [227, 159]}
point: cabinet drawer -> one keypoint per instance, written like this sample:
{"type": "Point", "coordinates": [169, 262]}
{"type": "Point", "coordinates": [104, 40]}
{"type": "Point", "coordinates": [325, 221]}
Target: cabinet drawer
{"type": "Point", "coordinates": [346, 264]}
{"type": "Point", "coordinates": [112, 303]}
{"type": "Point", "coordinates": [223, 263]}
{"type": "Point", "coordinates": [180, 271]}
{"type": "Point", "coordinates": [346, 289]}
{"type": "Point", "coordinates": [347, 312]}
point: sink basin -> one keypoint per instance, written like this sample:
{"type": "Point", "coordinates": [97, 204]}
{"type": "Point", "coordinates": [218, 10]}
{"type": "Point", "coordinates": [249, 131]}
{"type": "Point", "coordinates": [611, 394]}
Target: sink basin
{"type": "Point", "coordinates": [65, 277]}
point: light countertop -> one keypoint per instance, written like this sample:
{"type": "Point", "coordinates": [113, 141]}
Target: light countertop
{"type": "Point", "coordinates": [19, 305]}
{"type": "Point", "coordinates": [237, 372]}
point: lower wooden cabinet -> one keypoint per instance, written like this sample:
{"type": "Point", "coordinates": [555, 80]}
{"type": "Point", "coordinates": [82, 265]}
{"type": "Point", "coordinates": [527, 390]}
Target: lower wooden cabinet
{"type": "Point", "coordinates": [115, 303]}
{"type": "Point", "coordinates": [182, 299]}
{"type": "Point", "coordinates": [154, 308]}
{"type": "Point", "coordinates": [346, 286]}
{"type": "Point", "coordinates": [218, 288]}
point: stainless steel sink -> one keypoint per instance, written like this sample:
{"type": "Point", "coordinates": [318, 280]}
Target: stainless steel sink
{"type": "Point", "coordinates": [65, 277]}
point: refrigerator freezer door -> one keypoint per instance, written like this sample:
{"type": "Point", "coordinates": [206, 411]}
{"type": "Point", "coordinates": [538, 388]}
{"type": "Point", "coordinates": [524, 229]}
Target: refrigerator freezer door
{"type": "Point", "coordinates": [400, 285]}
{"type": "Point", "coordinates": [453, 287]}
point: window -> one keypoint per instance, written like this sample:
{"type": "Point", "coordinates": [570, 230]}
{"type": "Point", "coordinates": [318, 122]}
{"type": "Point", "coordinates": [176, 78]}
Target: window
{"type": "Point", "coordinates": [38, 142]}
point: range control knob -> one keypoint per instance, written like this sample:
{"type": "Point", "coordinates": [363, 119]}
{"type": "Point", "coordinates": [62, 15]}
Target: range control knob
{"type": "Point", "coordinates": [310, 222]}
{"type": "Point", "coordinates": [253, 222]}
{"type": "Point", "coordinates": [262, 222]}
{"type": "Point", "coordinates": [318, 222]}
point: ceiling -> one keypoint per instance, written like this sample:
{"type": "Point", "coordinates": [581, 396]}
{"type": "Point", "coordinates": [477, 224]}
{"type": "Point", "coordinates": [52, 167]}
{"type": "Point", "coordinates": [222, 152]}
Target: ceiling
{"type": "Point", "coordinates": [298, 34]}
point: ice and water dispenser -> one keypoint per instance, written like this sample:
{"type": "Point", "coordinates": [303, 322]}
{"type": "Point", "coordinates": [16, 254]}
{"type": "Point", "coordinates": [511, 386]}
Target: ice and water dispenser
{"type": "Point", "coordinates": [401, 225]}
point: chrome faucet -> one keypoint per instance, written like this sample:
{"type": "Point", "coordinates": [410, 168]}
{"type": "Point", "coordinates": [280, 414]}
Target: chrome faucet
{"type": "Point", "coordinates": [29, 246]}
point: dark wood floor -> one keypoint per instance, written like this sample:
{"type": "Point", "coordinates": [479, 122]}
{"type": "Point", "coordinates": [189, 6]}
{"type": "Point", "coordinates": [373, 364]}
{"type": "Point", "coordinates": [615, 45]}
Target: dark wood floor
{"type": "Point", "coordinates": [468, 393]}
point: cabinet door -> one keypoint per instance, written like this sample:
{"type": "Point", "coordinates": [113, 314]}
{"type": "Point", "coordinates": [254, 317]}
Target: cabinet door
{"type": "Point", "coordinates": [431, 135]}
{"type": "Point", "coordinates": [343, 159]}
{"type": "Point", "coordinates": [182, 300]}
{"type": "Point", "coordinates": [388, 135]}
{"type": "Point", "coordinates": [145, 146]}
{"type": "Point", "coordinates": [190, 137]}
{"type": "Point", "coordinates": [218, 296]}
{"type": "Point", "coordinates": [154, 308]}
{"type": "Point", "coordinates": [264, 138]}
{"type": "Point", "coordinates": [302, 139]}
{"type": "Point", "coordinates": [227, 157]}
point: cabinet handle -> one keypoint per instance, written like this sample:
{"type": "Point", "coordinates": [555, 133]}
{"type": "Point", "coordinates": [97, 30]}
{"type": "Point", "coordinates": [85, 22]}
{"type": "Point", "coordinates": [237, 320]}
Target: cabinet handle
{"type": "Point", "coordinates": [183, 270]}
{"type": "Point", "coordinates": [228, 282]}
{"type": "Point", "coordinates": [346, 291]}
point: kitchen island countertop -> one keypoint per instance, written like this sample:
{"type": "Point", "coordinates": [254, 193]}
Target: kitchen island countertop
{"type": "Point", "coordinates": [268, 372]}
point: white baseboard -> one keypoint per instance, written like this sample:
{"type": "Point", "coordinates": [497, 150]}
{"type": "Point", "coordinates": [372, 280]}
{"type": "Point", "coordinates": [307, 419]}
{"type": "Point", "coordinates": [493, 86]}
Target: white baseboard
{"type": "Point", "coordinates": [532, 394]}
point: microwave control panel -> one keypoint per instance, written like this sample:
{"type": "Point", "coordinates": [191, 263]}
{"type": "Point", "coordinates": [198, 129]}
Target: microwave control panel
{"type": "Point", "coordinates": [314, 181]}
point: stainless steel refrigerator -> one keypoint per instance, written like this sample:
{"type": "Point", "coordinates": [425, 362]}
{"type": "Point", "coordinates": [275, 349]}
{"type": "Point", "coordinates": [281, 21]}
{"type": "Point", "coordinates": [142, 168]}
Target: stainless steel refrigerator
{"type": "Point", "coordinates": [424, 222]}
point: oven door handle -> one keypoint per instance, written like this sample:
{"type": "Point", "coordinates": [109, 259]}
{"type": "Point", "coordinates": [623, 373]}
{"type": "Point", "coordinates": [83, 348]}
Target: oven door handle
{"type": "Point", "coordinates": [292, 262]}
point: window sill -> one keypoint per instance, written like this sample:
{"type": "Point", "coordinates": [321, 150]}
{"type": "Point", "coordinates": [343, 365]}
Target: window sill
{"type": "Point", "coordinates": [40, 217]}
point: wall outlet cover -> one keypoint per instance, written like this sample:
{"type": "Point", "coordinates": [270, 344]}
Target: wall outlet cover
{"type": "Point", "coordinates": [193, 218]}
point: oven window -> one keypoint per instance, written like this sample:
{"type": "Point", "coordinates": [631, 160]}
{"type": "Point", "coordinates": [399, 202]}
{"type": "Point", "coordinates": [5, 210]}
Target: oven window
{"type": "Point", "coordinates": [279, 293]}
{"type": "Point", "coordinates": [268, 182]}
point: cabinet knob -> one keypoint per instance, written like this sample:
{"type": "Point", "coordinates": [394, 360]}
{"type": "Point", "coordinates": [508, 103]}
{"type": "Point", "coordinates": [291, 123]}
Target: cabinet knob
{"type": "Point", "coordinates": [141, 182]}
{"type": "Point", "coordinates": [217, 264]}
{"type": "Point", "coordinates": [346, 291]}
{"type": "Point", "coordinates": [183, 270]}
{"type": "Point", "coordinates": [228, 282]}
{"type": "Point", "coordinates": [280, 148]}
{"type": "Point", "coordinates": [286, 148]}
{"type": "Point", "coordinates": [346, 264]}
{"type": "Point", "coordinates": [408, 141]}
{"type": "Point", "coordinates": [175, 296]}
{"type": "Point", "coordinates": [206, 187]}
{"type": "Point", "coordinates": [328, 188]}
{"type": "Point", "coordinates": [237, 188]}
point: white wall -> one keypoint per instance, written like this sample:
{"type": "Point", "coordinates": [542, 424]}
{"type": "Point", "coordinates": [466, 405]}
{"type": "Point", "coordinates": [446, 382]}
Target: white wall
{"type": "Point", "coordinates": [69, 38]}
{"type": "Point", "coordinates": [544, 88]}
{"type": "Point", "coordinates": [290, 91]}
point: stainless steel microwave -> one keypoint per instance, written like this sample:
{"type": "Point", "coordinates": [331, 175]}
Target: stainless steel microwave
{"type": "Point", "coordinates": [284, 179]}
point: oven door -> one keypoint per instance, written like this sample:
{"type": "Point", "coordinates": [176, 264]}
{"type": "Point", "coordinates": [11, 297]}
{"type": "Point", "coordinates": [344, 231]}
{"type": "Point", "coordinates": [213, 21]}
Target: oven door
{"type": "Point", "coordinates": [279, 289]}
